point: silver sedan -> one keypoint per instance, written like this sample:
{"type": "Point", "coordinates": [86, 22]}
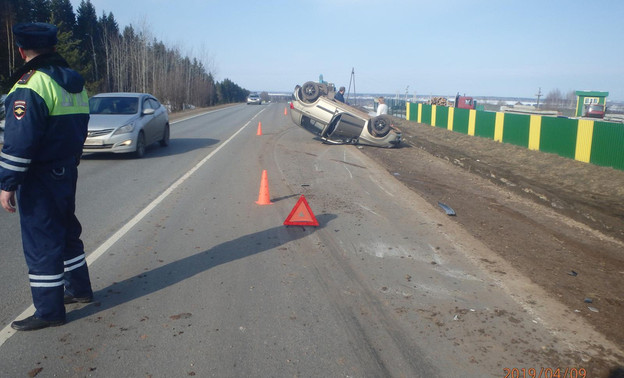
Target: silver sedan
{"type": "Point", "coordinates": [126, 123]}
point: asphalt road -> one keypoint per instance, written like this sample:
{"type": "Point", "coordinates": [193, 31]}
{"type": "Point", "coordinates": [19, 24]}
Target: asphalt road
{"type": "Point", "coordinates": [192, 277]}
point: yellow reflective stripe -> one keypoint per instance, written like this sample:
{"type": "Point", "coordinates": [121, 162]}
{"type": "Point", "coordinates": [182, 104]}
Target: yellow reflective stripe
{"type": "Point", "coordinates": [535, 132]}
{"type": "Point", "coordinates": [584, 138]}
{"type": "Point", "coordinates": [72, 103]}
{"type": "Point", "coordinates": [472, 121]}
{"type": "Point", "coordinates": [451, 116]}
{"type": "Point", "coordinates": [498, 127]}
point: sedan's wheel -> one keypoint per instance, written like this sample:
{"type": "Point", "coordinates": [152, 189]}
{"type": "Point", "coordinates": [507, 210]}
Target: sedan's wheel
{"type": "Point", "coordinates": [164, 142]}
{"type": "Point", "coordinates": [140, 147]}
{"type": "Point", "coordinates": [310, 91]}
{"type": "Point", "coordinates": [380, 126]}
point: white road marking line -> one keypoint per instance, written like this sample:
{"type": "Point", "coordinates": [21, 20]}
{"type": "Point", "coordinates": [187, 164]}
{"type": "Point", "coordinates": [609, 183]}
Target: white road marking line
{"type": "Point", "coordinates": [367, 209]}
{"type": "Point", "coordinates": [350, 174]}
{"type": "Point", "coordinates": [380, 187]}
{"type": "Point", "coordinates": [8, 331]}
{"type": "Point", "coordinates": [344, 160]}
{"type": "Point", "coordinates": [201, 114]}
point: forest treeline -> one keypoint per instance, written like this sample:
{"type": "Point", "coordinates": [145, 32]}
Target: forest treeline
{"type": "Point", "coordinates": [115, 60]}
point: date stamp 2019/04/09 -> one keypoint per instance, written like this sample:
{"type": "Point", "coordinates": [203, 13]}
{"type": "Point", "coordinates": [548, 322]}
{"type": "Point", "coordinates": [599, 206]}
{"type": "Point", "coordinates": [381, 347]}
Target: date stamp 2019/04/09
{"type": "Point", "coordinates": [545, 373]}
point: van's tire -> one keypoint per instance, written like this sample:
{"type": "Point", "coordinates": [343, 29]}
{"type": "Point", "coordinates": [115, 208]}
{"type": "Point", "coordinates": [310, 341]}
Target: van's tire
{"type": "Point", "coordinates": [380, 126]}
{"type": "Point", "coordinates": [310, 91]}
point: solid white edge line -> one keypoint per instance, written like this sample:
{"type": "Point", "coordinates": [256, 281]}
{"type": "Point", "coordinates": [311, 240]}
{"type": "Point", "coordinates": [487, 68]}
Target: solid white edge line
{"type": "Point", "coordinates": [8, 331]}
{"type": "Point", "coordinates": [201, 114]}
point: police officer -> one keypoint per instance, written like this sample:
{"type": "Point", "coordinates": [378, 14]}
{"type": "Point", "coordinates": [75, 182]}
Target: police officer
{"type": "Point", "coordinates": [45, 128]}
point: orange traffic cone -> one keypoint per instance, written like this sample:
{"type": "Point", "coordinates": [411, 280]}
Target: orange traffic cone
{"type": "Point", "coordinates": [285, 112]}
{"type": "Point", "coordinates": [264, 198]}
{"type": "Point", "coordinates": [259, 128]}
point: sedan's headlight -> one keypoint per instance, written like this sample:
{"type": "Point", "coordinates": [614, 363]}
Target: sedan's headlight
{"type": "Point", "coordinates": [124, 129]}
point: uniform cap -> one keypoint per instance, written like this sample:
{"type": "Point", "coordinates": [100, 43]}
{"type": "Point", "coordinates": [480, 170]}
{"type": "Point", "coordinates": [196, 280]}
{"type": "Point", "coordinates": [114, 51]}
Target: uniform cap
{"type": "Point", "coordinates": [35, 35]}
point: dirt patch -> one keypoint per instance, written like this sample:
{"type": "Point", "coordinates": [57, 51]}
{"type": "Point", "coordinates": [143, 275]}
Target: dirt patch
{"type": "Point", "coordinates": [556, 220]}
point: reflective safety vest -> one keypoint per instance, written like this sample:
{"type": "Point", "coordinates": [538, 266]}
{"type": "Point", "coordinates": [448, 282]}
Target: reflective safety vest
{"type": "Point", "coordinates": [47, 112]}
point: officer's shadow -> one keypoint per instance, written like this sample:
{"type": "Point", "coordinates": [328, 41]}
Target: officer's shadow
{"type": "Point", "coordinates": [170, 274]}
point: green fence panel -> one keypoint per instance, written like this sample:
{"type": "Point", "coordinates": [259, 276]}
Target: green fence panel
{"type": "Point", "coordinates": [461, 118]}
{"type": "Point", "coordinates": [608, 145]}
{"type": "Point", "coordinates": [558, 136]}
{"type": "Point", "coordinates": [413, 112]}
{"type": "Point", "coordinates": [396, 107]}
{"type": "Point", "coordinates": [516, 129]}
{"type": "Point", "coordinates": [442, 117]}
{"type": "Point", "coordinates": [485, 124]}
{"type": "Point", "coordinates": [426, 114]}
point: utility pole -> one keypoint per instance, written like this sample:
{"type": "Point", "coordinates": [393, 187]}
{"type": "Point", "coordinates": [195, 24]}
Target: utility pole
{"type": "Point", "coordinates": [539, 94]}
{"type": "Point", "coordinates": [352, 80]}
{"type": "Point", "coordinates": [406, 90]}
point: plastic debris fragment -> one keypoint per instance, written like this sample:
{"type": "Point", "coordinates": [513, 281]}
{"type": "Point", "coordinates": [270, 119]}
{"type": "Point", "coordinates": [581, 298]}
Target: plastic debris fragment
{"type": "Point", "coordinates": [447, 209]}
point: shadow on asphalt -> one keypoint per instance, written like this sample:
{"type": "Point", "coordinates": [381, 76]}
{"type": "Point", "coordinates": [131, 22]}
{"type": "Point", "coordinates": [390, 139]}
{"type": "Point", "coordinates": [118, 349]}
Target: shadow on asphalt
{"type": "Point", "coordinates": [177, 271]}
{"type": "Point", "coordinates": [177, 146]}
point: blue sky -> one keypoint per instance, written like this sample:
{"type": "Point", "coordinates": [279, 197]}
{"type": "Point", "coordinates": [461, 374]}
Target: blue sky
{"type": "Point", "coordinates": [481, 48]}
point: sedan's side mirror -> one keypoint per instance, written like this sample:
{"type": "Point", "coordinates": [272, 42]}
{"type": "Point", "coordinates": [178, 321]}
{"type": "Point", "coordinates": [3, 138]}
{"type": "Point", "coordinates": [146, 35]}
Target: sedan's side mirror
{"type": "Point", "coordinates": [148, 111]}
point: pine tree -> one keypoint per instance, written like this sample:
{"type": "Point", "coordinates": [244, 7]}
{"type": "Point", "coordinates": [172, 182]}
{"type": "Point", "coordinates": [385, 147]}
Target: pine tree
{"type": "Point", "coordinates": [87, 30]}
{"type": "Point", "coordinates": [68, 48]}
{"type": "Point", "coordinates": [63, 13]}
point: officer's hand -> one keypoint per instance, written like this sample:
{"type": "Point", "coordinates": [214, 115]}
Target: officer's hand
{"type": "Point", "coordinates": [7, 200]}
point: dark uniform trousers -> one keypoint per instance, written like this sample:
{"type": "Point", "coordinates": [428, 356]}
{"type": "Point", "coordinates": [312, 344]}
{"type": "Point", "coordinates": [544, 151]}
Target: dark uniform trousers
{"type": "Point", "coordinates": [50, 230]}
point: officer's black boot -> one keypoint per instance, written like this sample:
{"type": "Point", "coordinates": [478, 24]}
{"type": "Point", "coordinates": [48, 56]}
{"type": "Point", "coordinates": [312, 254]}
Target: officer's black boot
{"type": "Point", "coordinates": [32, 323]}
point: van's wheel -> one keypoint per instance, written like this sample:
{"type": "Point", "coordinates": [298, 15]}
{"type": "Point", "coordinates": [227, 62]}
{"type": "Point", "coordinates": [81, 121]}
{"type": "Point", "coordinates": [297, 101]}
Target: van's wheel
{"type": "Point", "coordinates": [310, 91]}
{"type": "Point", "coordinates": [380, 126]}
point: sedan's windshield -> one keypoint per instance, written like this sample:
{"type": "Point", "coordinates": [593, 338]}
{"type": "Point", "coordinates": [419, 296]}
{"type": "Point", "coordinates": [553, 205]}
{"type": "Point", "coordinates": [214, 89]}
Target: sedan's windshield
{"type": "Point", "coordinates": [113, 105]}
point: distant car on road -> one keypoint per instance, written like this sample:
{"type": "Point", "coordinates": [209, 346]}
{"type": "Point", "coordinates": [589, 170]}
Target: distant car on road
{"type": "Point", "coordinates": [254, 99]}
{"type": "Point", "coordinates": [126, 123]}
{"type": "Point", "coordinates": [314, 108]}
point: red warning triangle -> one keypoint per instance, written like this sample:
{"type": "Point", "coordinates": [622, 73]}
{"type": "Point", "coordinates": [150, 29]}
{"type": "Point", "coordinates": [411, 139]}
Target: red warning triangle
{"type": "Point", "coordinates": [301, 215]}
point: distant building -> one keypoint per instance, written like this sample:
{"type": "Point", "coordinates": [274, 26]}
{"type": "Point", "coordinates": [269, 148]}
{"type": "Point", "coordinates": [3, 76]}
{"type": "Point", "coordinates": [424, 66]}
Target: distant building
{"type": "Point", "coordinates": [586, 98]}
